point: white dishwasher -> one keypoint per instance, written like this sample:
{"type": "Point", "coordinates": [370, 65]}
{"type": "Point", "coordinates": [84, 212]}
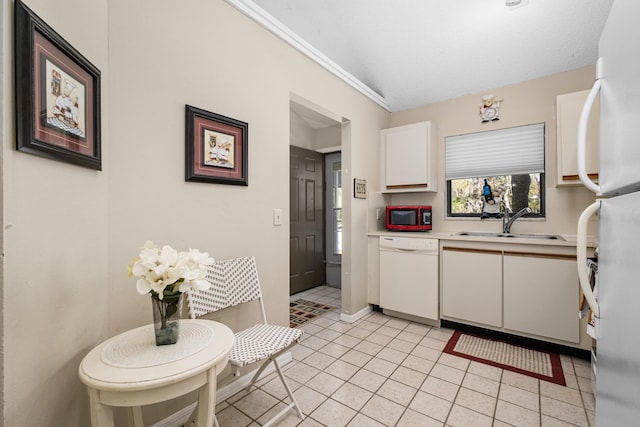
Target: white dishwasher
{"type": "Point", "coordinates": [409, 275]}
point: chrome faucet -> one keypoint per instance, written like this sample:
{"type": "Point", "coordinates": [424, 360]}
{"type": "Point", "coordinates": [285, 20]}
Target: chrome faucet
{"type": "Point", "coordinates": [507, 221]}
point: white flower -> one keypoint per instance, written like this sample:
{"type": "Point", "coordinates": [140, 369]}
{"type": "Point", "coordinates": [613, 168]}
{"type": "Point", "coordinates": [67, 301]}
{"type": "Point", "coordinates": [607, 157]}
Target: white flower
{"type": "Point", "coordinates": [165, 270]}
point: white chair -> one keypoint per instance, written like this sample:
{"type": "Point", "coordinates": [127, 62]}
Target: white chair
{"type": "Point", "coordinates": [235, 282]}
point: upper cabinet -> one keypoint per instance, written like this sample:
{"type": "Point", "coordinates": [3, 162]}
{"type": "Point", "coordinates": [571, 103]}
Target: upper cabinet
{"type": "Point", "coordinates": [568, 110]}
{"type": "Point", "coordinates": [408, 159]}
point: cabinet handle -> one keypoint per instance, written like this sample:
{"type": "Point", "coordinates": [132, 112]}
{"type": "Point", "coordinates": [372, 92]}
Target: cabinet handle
{"type": "Point", "coordinates": [566, 257]}
{"type": "Point", "coordinates": [473, 250]}
{"type": "Point", "coordinates": [581, 256]}
{"type": "Point", "coordinates": [582, 133]}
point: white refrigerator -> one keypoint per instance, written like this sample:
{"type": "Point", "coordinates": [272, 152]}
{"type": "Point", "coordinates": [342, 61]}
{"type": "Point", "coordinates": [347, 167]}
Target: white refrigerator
{"type": "Point", "coordinates": [618, 206]}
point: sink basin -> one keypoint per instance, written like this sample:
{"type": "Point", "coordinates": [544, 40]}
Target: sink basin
{"type": "Point", "coordinates": [478, 234]}
{"type": "Point", "coordinates": [510, 235]}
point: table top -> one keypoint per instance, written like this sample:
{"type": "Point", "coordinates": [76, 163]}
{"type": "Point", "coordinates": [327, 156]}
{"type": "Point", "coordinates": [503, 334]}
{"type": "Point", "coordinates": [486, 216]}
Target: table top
{"type": "Point", "coordinates": [132, 360]}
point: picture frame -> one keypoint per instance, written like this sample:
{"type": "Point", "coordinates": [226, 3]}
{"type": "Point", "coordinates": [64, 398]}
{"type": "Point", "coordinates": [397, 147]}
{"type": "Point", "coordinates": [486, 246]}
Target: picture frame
{"type": "Point", "coordinates": [359, 188]}
{"type": "Point", "coordinates": [216, 148]}
{"type": "Point", "coordinates": [57, 95]}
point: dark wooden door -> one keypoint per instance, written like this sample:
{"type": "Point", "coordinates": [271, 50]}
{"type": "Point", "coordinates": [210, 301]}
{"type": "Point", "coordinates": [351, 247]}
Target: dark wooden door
{"type": "Point", "coordinates": [306, 213]}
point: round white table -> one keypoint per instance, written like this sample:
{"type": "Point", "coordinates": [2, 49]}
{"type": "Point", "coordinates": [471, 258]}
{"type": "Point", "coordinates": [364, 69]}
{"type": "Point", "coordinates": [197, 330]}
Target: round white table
{"type": "Point", "coordinates": [129, 370]}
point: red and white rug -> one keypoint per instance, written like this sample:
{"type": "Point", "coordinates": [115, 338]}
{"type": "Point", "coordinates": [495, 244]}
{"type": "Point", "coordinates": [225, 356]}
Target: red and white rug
{"type": "Point", "coordinates": [534, 363]}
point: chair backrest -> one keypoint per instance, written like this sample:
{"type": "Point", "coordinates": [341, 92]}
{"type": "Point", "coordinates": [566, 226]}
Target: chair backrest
{"type": "Point", "coordinates": [233, 282]}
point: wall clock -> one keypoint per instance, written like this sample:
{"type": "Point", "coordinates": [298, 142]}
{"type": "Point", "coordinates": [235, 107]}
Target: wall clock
{"type": "Point", "coordinates": [490, 108]}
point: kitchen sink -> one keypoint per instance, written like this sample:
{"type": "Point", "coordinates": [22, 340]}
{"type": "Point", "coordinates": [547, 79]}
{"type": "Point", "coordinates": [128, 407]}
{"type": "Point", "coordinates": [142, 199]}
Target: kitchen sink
{"type": "Point", "coordinates": [510, 235]}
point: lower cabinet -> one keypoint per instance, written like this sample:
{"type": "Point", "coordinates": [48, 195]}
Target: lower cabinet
{"type": "Point", "coordinates": [531, 291]}
{"type": "Point", "coordinates": [472, 285]}
{"type": "Point", "coordinates": [541, 294]}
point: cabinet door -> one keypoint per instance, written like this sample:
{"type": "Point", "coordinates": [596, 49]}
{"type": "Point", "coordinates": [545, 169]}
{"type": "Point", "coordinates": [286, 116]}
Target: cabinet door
{"type": "Point", "coordinates": [569, 107]}
{"type": "Point", "coordinates": [472, 285]}
{"type": "Point", "coordinates": [406, 152]}
{"type": "Point", "coordinates": [541, 295]}
{"type": "Point", "coordinates": [407, 159]}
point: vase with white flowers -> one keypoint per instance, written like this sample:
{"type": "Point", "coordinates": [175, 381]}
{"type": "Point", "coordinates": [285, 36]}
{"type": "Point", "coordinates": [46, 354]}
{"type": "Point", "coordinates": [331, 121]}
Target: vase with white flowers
{"type": "Point", "coordinates": [166, 274]}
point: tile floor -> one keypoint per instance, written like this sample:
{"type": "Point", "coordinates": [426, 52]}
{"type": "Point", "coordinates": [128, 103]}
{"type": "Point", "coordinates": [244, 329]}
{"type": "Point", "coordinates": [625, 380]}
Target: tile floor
{"type": "Point", "coordinates": [385, 371]}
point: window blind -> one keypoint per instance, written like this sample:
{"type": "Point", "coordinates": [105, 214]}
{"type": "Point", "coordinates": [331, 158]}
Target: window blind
{"type": "Point", "coordinates": [512, 151]}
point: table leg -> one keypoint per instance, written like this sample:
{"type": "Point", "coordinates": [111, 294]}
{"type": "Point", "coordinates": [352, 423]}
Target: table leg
{"type": "Point", "coordinates": [134, 414]}
{"type": "Point", "coordinates": [101, 415]}
{"type": "Point", "coordinates": [207, 400]}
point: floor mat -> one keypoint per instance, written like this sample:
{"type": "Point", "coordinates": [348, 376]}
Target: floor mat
{"type": "Point", "coordinates": [534, 363]}
{"type": "Point", "coordinates": [302, 310]}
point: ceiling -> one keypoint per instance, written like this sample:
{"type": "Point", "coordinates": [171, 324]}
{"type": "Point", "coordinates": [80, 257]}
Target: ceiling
{"type": "Point", "coordinates": [416, 52]}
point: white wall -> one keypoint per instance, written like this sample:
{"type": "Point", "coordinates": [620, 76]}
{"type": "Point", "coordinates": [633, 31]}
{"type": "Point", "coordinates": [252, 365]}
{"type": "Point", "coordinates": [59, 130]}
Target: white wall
{"type": "Point", "coordinates": [55, 278]}
{"type": "Point", "coordinates": [300, 133]}
{"type": "Point", "coordinates": [69, 232]}
{"type": "Point", "coordinates": [207, 54]}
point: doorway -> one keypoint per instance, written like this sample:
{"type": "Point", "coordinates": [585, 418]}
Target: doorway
{"type": "Point", "coordinates": [315, 199]}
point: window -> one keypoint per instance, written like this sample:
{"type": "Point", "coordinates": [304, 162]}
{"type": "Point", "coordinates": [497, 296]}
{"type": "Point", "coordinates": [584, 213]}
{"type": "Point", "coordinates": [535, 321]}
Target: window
{"type": "Point", "coordinates": [337, 208]}
{"type": "Point", "coordinates": [333, 206]}
{"type": "Point", "coordinates": [512, 162]}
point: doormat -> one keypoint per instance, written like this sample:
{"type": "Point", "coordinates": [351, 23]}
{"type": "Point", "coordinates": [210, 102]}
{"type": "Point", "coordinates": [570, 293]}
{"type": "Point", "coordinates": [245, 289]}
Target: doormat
{"type": "Point", "coordinates": [534, 363]}
{"type": "Point", "coordinates": [301, 311]}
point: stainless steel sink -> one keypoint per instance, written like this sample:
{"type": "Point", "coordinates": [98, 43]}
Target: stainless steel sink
{"type": "Point", "coordinates": [510, 235]}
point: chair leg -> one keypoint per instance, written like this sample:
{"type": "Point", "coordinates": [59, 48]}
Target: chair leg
{"type": "Point", "coordinates": [289, 392]}
{"type": "Point", "coordinates": [256, 376]}
{"type": "Point", "coordinates": [294, 403]}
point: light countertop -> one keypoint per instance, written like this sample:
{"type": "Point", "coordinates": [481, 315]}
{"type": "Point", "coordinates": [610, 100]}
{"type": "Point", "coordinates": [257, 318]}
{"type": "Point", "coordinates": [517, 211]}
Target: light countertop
{"type": "Point", "coordinates": [569, 240]}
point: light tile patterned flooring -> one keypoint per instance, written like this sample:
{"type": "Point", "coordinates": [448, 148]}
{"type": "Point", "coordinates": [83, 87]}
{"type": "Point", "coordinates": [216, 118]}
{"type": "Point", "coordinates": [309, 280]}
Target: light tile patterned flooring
{"type": "Point", "coordinates": [385, 371]}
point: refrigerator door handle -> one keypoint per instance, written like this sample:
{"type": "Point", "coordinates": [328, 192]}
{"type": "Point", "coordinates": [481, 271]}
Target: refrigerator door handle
{"type": "Point", "coordinates": [581, 256]}
{"type": "Point", "coordinates": [582, 136]}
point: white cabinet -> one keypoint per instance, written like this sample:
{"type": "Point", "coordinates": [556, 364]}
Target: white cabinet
{"type": "Point", "coordinates": [568, 110]}
{"type": "Point", "coordinates": [472, 285]}
{"type": "Point", "coordinates": [408, 159]}
{"type": "Point", "coordinates": [541, 294]}
{"type": "Point", "coordinates": [525, 290]}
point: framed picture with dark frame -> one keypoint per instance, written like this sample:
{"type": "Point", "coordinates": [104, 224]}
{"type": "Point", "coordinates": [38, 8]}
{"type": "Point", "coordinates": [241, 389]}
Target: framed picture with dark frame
{"type": "Point", "coordinates": [359, 188]}
{"type": "Point", "coordinates": [57, 95]}
{"type": "Point", "coordinates": [216, 148]}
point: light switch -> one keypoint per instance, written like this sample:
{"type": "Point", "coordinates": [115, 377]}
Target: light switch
{"type": "Point", "coordinates": [277, 217]}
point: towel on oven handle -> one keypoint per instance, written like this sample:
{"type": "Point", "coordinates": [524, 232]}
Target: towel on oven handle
{"type": "Point", "coordinates": [585, 310]}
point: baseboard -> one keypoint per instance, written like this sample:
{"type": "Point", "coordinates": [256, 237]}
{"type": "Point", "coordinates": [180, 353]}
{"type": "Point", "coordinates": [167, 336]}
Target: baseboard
{"type": "Point", "coordinates": [352, 318]}
{"type": "Point", "coordinates": [181, 417]}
